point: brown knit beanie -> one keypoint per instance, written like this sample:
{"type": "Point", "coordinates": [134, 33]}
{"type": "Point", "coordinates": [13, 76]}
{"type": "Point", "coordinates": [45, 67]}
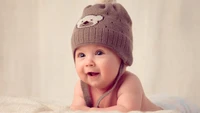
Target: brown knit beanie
{"type": "Point", "coordinates": [108, 25]}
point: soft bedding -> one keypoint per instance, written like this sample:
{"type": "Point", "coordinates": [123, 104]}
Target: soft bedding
{"type": "Point", "coordinates": [32, 105]}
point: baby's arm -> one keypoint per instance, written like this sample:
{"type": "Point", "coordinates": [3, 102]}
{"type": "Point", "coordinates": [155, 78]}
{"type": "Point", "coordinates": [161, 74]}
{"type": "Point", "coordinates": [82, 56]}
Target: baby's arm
{"type": "Point", "coordinates": [78, 102]}
{"type": "Point", "coordinates": [130, 95]}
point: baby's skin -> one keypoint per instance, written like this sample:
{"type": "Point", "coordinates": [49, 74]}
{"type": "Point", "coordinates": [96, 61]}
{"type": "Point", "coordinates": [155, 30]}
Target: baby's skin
{"type": "Point", "coordinates": [98, 66]}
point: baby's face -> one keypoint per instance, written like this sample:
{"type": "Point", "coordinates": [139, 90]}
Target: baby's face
{"type": "Point", "coordinates": [96, 65]}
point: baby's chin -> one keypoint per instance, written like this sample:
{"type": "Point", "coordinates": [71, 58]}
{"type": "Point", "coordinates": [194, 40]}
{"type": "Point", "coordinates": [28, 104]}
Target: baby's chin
{"type": "Point", "coordinates": [96, 85]}
{"type": "Point", "coordinates": [99, 83]}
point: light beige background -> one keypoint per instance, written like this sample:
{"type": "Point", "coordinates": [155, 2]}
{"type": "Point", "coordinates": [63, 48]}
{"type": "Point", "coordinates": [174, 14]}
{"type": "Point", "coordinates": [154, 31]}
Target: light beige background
{"type": "Point", "coordinates": [35, 51]}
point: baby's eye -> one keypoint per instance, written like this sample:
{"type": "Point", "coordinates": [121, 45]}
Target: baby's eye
{"type": "Point", "coordinates": [99, 52]}
{"type": "Point", "coordinates": [81, 55]}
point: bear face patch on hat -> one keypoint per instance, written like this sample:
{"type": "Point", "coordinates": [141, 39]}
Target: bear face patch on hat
{"type": "Point", "coordinates": [89, 21]}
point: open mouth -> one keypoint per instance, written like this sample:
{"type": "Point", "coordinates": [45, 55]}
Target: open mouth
{"type": "Point", "coordinates": [92, 73]}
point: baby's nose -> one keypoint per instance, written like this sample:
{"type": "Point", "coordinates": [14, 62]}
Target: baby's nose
{"type": "Point", "coordinates": [90, 62]}
{"type": "Point", "coordinates": [90, 65]}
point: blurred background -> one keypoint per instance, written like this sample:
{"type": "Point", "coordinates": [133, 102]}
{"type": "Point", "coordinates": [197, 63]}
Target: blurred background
{"type": "Point", "coordinates": [36, 58]}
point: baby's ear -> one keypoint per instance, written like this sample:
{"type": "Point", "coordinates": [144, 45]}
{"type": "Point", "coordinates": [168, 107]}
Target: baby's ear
{"type": "Point", "coordinates": [104, 1]}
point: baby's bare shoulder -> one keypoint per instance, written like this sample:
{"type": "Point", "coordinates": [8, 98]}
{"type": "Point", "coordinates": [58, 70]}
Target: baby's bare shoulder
{"type": "Point", "coordinates": [77, 89]}
{"type": "Point", "coordinates": [130, 77]}
{"type": "Point", "coordinates": [130, 83]}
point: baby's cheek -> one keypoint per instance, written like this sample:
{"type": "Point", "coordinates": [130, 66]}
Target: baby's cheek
{"type": "Point", "coordinates": [78, 69]}
{"type": "Point", "coordinates": [111, 68]}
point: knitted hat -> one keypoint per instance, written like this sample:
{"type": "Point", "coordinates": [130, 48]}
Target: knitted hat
{"type": "Point", "coordinates": [108, 25]}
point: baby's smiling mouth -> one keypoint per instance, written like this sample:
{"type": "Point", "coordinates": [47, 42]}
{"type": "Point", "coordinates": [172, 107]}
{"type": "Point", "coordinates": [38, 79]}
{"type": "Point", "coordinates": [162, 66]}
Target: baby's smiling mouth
{"type": "Point", "coordinates": [93, 73]}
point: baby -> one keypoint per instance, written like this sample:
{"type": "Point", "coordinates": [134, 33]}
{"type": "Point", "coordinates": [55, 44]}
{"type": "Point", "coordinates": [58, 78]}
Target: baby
{"type": "Point", "coordinates": [102, 45]}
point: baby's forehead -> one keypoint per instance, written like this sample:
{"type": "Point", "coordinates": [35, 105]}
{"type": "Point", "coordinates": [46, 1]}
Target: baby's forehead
{"type": "Point", "coordinates": [92, 47]}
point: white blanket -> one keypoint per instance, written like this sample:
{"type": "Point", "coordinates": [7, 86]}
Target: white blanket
{"type": "Point", "coordinates": [32, 105]}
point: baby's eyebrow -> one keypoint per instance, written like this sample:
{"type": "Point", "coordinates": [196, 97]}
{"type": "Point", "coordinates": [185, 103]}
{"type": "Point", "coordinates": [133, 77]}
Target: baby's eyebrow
{"type": "Point", "coordinates": [101, 48]}
{"type": "Point", "coordinates": [78, 51]}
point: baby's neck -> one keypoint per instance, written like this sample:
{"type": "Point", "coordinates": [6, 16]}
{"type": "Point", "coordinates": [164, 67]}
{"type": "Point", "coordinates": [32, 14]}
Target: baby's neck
{"type": "Point", "coordinates": [103, 90]}
{"type": "Point", "coordinates": [100, 91]}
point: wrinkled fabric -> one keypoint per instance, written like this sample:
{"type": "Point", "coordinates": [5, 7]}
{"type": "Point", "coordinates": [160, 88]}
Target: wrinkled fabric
{"type": "Point", "coordinates": [175, 103]}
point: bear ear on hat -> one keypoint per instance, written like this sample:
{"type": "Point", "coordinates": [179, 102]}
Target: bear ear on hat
{"type": "Point", "coordinates": [104, 1]}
